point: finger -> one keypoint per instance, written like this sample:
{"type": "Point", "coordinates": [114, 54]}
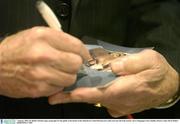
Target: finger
{"type": "Point", "coordinates": [62, 41]}
{"type": "Point", "coordinates": [133, 63]}
{"type": "Point", "coordinates": [51, 76]}
{"type": "Point", "coordinates": [66, 62]}
{"type": "Point", "coordinates": [43, 89]}
{"type": "Point", "coordinates": [44, 54]}
{"type": "Point", "coordinates": [89, 95]}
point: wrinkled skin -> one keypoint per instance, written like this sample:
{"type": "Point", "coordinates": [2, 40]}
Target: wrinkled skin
{"type": "Point", "coordinates": [146, 81]}
{"type": "Point", "coordinates": [39, 62]}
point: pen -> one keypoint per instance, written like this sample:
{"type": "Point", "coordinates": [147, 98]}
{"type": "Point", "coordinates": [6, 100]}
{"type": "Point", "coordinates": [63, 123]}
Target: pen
{"type": "Point", "coordinates": [51, 19]}
{"type": "Point", "coordinates": [48, 15]}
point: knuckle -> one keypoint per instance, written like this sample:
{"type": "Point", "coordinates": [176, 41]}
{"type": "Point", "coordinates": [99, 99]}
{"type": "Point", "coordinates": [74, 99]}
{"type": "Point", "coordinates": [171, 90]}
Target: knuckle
{"type": "Point", "coordinates": [39, 57]}
{"type": "Point", "coordinates": [77, 46]}
{"type": "Point", "coordinates": [160, 62]}
{"type": "Point", "coordinates": [36, 74]}
{"type": "Point", "coordinates": [38, 33]}
{"type": "Point", "coordinates": [157, 60]}
{"type": "Point", "coordinates": [70, 80]}
{"type": "Point", "coordinates": [40, 74]}
{"type": "Point", "coordinates": [38, 52]}
{"type": "Point", "coordinates": [154, 54]}
{"type": "Point", "coordinates": [39, 91]}
{"type": "Point", "coordinates": [76, 63]}
{"type": "Point", "coordinates": [76, 43]}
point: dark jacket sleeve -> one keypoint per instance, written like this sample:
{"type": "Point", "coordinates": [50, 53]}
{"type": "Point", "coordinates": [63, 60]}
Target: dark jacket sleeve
{"type": "Point", "coordinates": [156, 23]}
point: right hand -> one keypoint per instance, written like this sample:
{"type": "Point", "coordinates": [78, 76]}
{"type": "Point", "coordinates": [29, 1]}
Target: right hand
{"type": "Point", "coordinates": [39, 62]}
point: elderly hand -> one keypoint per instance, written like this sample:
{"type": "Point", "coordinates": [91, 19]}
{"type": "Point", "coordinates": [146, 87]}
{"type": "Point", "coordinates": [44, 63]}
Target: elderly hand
{"type": "Point", "coordinates": [39, 62]}
{"type": "Point", "coordinates": [146, 81]}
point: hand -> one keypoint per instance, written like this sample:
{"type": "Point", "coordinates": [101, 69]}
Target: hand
{"type": "Point", "coordinates": [147, 81]}
{"type": "Point", "coordinates": [39, 62]}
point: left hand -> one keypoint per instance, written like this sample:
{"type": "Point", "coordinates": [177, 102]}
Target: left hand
{"type": "Point", "coordinates": [146, 81]}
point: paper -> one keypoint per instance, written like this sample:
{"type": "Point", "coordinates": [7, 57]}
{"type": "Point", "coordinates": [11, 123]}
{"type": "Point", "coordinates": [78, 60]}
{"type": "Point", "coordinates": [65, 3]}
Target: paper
{"type": "Point", "coordinates": [99, 74]}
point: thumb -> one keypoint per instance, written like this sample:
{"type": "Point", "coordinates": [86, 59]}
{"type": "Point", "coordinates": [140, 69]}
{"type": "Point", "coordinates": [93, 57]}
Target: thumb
{"type": "Point", "coordinates": [88, 95]}
{"type": "Point", "coordinates": [132, 63]}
